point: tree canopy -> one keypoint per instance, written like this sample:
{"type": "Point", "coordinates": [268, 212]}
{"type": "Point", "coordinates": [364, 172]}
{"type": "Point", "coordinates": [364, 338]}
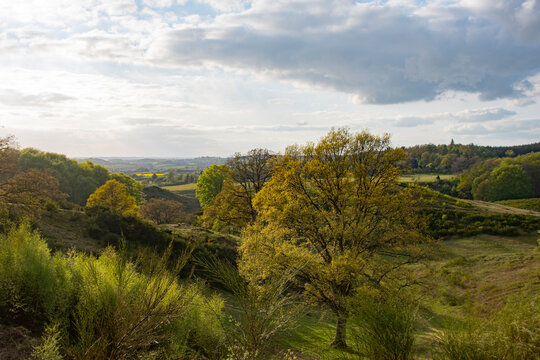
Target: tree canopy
{"type": "Point", "coordinates": [76, 180]}
{"type": "Point", "coordinates": [210, 184]}
{"type": "Point", "coordinates": [246, 176]}
{"type": "Point", "coordinates": [162, 211]}
{"type": "Point", "coordinates": [114, 197]}
{"type": "Point", "coordinates": [332, 212]}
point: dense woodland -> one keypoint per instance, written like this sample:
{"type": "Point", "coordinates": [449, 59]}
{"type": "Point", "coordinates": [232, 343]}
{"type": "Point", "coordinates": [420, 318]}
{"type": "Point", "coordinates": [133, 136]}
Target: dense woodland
{"type": "Point", "coordinates": [321, 251]}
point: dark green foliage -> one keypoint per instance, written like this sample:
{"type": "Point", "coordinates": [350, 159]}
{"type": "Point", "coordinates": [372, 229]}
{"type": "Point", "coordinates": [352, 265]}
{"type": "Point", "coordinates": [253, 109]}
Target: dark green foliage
{"type": "Point", "coordinates": [449, 222]}
{"type": "Point", "coordinates": [447, 187]}
{"type": "Point", "coordinates": [455, 158]}
{"type": "Point", "coordinates": [138, 233]}
{"type": "Point", "coordinates": [501, 179]}
{"type": "Point", "coordinates": [76, 180]}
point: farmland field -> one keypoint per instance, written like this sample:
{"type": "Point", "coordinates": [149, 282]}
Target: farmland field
{"type": "Point", "coordinates": [425, 177]}
{"type": "Point", "coordinates": [184, 189]}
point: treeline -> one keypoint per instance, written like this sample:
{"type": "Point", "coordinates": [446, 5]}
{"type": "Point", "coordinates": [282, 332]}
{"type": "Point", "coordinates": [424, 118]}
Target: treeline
{"type": "Point", "coordinates": [76, 180]}
{"type": "Point", "coordinates": [495, 179]}
{"type": "Point", "coordinates": [456, 158]}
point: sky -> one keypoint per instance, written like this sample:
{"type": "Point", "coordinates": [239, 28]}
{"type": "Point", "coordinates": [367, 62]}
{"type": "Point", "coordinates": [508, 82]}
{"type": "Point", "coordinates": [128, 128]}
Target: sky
{"type": "Point", "coordinates": [185, 78]}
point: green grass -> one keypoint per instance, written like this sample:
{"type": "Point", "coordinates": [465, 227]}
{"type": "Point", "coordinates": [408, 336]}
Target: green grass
{"type": "Point", "coordinates": [423, 178]}
{"type": "Point", "coordinates": [182, 187]}
{"type": "Point", "coordinates": [527, 204]}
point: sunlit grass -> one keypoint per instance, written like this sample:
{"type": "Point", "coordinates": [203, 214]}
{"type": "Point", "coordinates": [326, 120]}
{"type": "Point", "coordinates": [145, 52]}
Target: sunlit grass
{"type": "Point", "coordinates": [416, 178]}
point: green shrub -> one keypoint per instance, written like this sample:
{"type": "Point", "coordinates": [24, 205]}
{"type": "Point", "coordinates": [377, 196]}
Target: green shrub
{"type": "Point", "coordinates": [34, 285]}
{"type": "Point", "coordinates": [49, 349]}
{"type": "Point", "coordinates": [121, 313]}
{"type": "Point", "coordinates": [199, 333]}
{"type": "Point", "coordinates": [458, 343]}
{"type": "Point", "coordinates": [382, 328]}
{"type": "Point", "coordinates": [262, 310]}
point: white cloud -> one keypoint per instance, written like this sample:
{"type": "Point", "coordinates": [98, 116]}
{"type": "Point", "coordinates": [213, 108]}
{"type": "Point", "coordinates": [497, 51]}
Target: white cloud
{"type": "Point", "coordinates": [183, 78]}
{"type": "Point", "coordinates": [381, 52]}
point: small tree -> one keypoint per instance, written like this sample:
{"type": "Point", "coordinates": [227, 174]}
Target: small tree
{"type": "Point", "coordinates": [333, 214]}
{"type": "Point", "coordinates": [133, 187]}
{"type": "Point", "coordinates": [210, 184]}
{"type": "Point", "coordinates": [114, 197]}
{"type": "Point", "coordinates": [247, 175]}
{"type": "Point", "coordinates": [162, 211]}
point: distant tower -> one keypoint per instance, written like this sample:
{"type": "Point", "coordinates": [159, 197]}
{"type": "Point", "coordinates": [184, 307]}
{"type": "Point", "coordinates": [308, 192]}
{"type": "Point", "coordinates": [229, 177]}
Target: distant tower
{"type": "Point", "coordinates": [452, 142]}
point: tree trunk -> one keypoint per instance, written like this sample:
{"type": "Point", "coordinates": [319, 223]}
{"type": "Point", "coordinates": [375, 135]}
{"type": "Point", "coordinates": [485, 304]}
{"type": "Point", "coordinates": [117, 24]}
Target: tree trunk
{"type": "Point", "coordinates": [340, 340]}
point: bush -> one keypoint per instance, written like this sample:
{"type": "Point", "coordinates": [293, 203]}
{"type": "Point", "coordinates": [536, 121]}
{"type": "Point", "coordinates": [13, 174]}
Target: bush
{"type": "Point", "coordinates": [382, 328]}
{"type": "Point", "coordinates": [49, 349]}
{"type": "Point", "coordinates": [199, 333]}
{"type": "Point", "coordinates": [458, 343]}
{"type": "Point", "coordinates": [121, 313]}
{"type": "Point", "coordinates": [35, 286]}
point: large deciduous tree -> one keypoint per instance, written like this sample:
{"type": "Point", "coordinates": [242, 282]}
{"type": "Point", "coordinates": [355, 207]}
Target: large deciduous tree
{"type": "Point", "coordinates": [334, 214]}
{"type": "Point", "coordinates": [114, 197]}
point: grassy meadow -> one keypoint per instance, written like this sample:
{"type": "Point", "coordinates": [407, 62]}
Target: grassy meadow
{"type": "Point", "coordinates": [425, 178]}
{"type": "Point", "coordinates": [184, 189]}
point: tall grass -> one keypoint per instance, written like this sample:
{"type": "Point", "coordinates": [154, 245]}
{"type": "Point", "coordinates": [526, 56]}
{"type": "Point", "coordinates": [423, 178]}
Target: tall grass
{"type": "Point", "coordinates": [261, 311]}
{"type": "Point", "coordinates": [512, 333]}
{"type": "Point", "coordinates": [382, 328]}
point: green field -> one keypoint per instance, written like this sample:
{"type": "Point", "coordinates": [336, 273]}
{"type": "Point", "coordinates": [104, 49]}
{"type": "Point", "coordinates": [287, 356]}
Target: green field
{"type": "Point", "coordinates": [183, 187]}
{"type": "Point", "coordinates": [527, 204]}
{"type": "Point", "coordinates": [482, 270]}
{"type": "Point", "coordinates": [416, 178]}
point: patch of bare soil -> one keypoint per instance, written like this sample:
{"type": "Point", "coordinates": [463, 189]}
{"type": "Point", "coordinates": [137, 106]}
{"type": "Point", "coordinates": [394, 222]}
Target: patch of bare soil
{"type": "Point", "coordinates": [16, 343]}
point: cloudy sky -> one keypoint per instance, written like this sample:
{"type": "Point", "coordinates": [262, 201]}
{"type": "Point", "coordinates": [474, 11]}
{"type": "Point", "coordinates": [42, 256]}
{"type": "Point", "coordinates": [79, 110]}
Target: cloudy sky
{"type": "Point", "coordinates": [182, 78]}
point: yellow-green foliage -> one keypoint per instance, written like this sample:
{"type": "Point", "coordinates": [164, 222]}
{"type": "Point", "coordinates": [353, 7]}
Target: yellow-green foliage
{"type": "Point", "coordinates": [383, 327]}
{"type": "Point", "coordinates": [199, 332]}
{"type": "Point", "coordinates": [49, 349]}
{"type": "Point", "coordinates": [33, 282]}
{"type": "Point", "coordinates": [114, 197]}
{"type": "Point", "coordinates": [103, 308]}
{"type": "Point", "coordinates": [121, 312]}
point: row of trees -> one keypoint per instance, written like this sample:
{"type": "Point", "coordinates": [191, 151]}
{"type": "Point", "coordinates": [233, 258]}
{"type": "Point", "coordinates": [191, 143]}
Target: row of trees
{"type": "Point", "coordinates": [31, 179]}
{"type": "Point", "coordinates": [331, 213]}
{"type": "Point", "coordinates": [456, 158]}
